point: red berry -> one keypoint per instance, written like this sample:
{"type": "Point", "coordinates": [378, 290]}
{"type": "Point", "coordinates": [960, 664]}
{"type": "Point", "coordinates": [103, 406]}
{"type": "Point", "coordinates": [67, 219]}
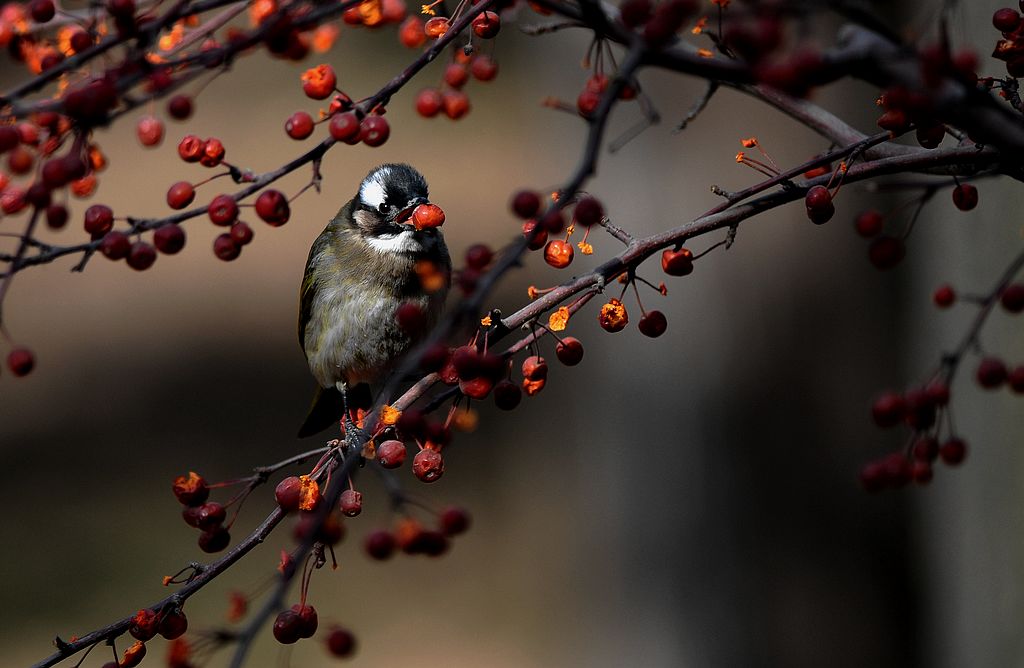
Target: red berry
{"type": "Point", "coordinates": [937, 392]}
{"type": "Point", "coordinates": [411, 34]}
{"type": "Point", "coordinates": [428, 102]}
{"type": "Point", "coordinates": [454, 520]}
{"type": "Point", "coordinates": [223, 210]}
{"type": "Point", "coordinates": [374, 130]}
{"type": "Point", "coordinates": [953, 451]}
{"type": "Point", "coordinates": [180, 195]}
{"type": "Point", "coordinates": [133, 655]}
{"type": "Point", "coordinates": [921, 472]}
{"type": "Point", "coordinates": [991, 373]}
{"type": "Point", "coordinates": [435, 27]}
{"type": "Point", "coordinates": [965, 197]}
{"type": "Point", "coordinates": [536, 235]}
{"type": "Point", "coordinates": [427, 216]}
{"type": "Point", "coordinates": [308, 619]}
{"type": "Point", "coordinates": [241, 233]}
{"type": "Point", "coordinates": [1006, 19]}
{"type": "Point", "coordinates": [558, 253]}
{"type": "Point", "coordinates": [895, 121]}
{"type": "Point", "coordinates": [456, 75]}
{"type": "Point", "coordinates": [1012, 297]}
{"type": "Point", "coordinates": [507, 395]}
{"type": "Point", "coordinates": [944, 296]}
{"type": "Point", "coordinates": [569, 351]}
{"type": "Point", "coordinates": [897, 469]}
{"type": "Point", "coordinates": [341, 643]}
{"type": "Point", "coordinates": [919, 411]}
{"type": "Point", "coordinates": [144, 625]}
{"type": "Point", "coordinates": [287, 627]}
{"type": "Point", "coordinates": [819, 205]}
{"type": "Point", "coordinates": [926, 449]}
{"type": "Point", "coordinates": [635, 13]}
{"type": "Point", "coordinates": [391, 454]}
{"type": "Point", "coordinates": [150, 131]}
{"type": "Point", "coordinates": [380, 544]}
{"type": "Point", "coordinates": [214, 540]}
{"type": "Point", "coordinates": [428, 465]}
{"type": "Point", "coordinates": [20, 160]}
{"type": "Point", "coordinates": [272, 207]}
{"type": "Point", "coordinates": [344, 127]}
{"type": "Point", "coordinates": [587, 101]}
{"type": "Point", "coordinates": [21, 361]}
{"type": "Point", "coordinates": [1015, 379]}
{"type": "Point", "coordinates": [299, 125]}
{"type": "Point", "coordinates": [213, 153]}
{"type": "Point", "coordinates": [872, 476]}
{"type": "Point", "coordinates": [525, 204]}
{"type": "Point", "coordinates": [115, 245]}
{"type": "Point", "coordinates": [478, 256]}
{"type": "Point", "coordinates": [190, 149]}
{"type": "Point", "coordinates": [9, 138]}
{"type": "Point", "coordinates": [121, 9]}
{"type": "Point", "coordinates": [652, 324]}
{"type": "Point", "coordinates": [319, 82]}
{"type": "Point", "coordinates": [38, 195]}
{"type": "Point", "coordinates": [169, 238]}
{"type": "Point", "coordinates": [455, 103]}
{"type": "Point", "coordinates": [931, 136]}
{"type": "Point", "coordinates": [476, 388]}
{"type": "Point", "coordinates": [483, 68]}
{"type": "Point", "coordinates": [487, 25]}
{"type": "Point", "coordinates": [869, 223]}
{"type": "Point", "coordinates": [886, 252]}
{"type": "Point", "coordinates": [99, 219]}
{"type": "Point", "coordinates": [56, 216]}
{"type": "Point", "coordinates": [588, 211]}
{"type": "Point", "coordinates": [351, 503]}
{"type": "Point", "coordinates": [42, 10]}
{"type": "Point", "coordinates": [888, 409]}
{"type": "Point", "coordinates": [174, 623]}
{"type": "Point", "coordinates": [677, 262]}
{"type": "Point", "coordinates": [225, 248]}
{"type": "Point", "coordinates": [209, 515]}
{"type": "Point", "coordinates": [80, 40]}
{"type": "Point", "coordinates": [179, 107]}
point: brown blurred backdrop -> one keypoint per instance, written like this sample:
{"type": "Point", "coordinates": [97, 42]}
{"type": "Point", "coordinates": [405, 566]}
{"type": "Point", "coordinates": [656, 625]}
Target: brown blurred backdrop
{"type": "Point", "coordinates": [685, 501]}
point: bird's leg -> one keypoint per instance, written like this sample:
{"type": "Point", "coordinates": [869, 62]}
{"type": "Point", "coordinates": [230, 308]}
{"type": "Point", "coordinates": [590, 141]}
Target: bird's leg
{"type": "Point", "coordinates": [349, 429]}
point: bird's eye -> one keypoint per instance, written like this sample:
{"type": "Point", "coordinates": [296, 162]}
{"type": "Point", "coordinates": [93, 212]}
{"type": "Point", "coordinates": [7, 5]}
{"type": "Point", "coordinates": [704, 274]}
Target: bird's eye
{"type": "Point", "coordinates": [383, 207]}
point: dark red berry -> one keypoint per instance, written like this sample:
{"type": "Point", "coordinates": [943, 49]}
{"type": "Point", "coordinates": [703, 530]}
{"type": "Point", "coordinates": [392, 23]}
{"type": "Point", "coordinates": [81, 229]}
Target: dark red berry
{"type": "Point", "coordinates": [569, 351]}
{"type": "Point", "coordinates": [1015, 379]}
{"type": "Point", "coordinates": [351, 503]}
{"type": "Point", "coordinates": [272, 207]}
{"type": "Point", "coordinates": [191, 489]}
{"type": "Point", "coordinates": [144, 625]}
{"type": "Point", "coordinates": [56, 216]}
{"type": "Point", "coordinates": [991, 373]}
{"type": "Point", "coordinates": [507, 395]}
{"type": "Point", "coordinates": [180, 195]}
{"type": "Point", "coordinates": [42, 10]}
{"type": "Point", "coordinates": [341, 643]}
{"type": "Point", "coordinates": [926, 449]}
{"type": "Point", "coordinates": [299, 125]}
{"type": "Point", "coordinates": [965, 197]}
{"type": "Point", "coordinates": [380, 544]}
{"type": "Point", "coordinates": [241, 233]}
{"type": "Point", "coordinates": [872, 476]}
{"type": "Point", "coordinates": [374, 130]}
{"type": "Point", "coordinates": [344, 127]}
{"type": "Point", "coordinates": [953, 451]}
{"type": "Point", "coordinates": [179, 107]}
{"type": "Point", "coordinates": [99, 219]}
{"type": "Point", "coordinates": [869, 223]}
{"type": "Point", "coordinates": [1006, 19]}
{"type": "Point", "coordinates": [525, 204]}
{"type": "Point", "coordinates": [169, 238]}
{"type": "Point", "coordinates": [634, 13]}
{"type": "Point", "coordinates": [150, 131]}
{"type": "Point", "coordinates": [223, 210]}
{"type": "Point", "coordinates": [478, 256]}
{"type": "Point", "coordinates": [1012, 297]}
{"type": "Point", "coordinates": [173, 624]}
{"type": "Point", "coordinates": [486, 25]}
{"type": "Point", "coordinates": [428, 465]}
{"type": "Point", "coordinates": [589, 211]}
{"type": "Point", "coordinates": [886, 252]}
{"type": "Point", "coordinates": [888, 409]}
{"type": "Point", "coordinates": [931, 136]}
{"type": "Point", "coordinates": [190, 148]}
{"type": "Point", "coordinates": [115, 245]}
{"type": "Point", "coordinates": [209, 515]}
{"type": "Point", "coordinates": [944, 296]}
{"type": "Point", "coordinates": [454, 520]}
{"type": "Point", "coordinates": [536, 235]}
{"type": "Point", "coordinates": [308, 619]}
{"type": "Point", "coordinates": [391, 454]}
{"type": "Point", "coordinates": [652, 324]}
{"type": "Point", "coordinates": [819, 205]}
{"type": "Point", "coordinates": [287, 627]}
{"type": "Point", "coordinates": [921, 471]}
{"type": "Point", "coordinates": [677, 262]}
{"type": "Point", "coordinates": [141, 256]}
{"type": "Point", "coordinates": [214, 540]}
{"type": "Point", "coordinates": [9, 138]}
{"type": "Point", "coordinates": [897, 469]}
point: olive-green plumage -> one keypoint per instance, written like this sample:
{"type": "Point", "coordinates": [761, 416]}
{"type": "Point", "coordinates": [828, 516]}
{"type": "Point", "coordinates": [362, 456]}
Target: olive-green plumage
{"type": "Point", "coordinates": [360, 269]}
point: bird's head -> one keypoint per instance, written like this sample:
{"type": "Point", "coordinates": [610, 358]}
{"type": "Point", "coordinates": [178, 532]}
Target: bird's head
{"type": "Point", "coordinates": [382, 209]}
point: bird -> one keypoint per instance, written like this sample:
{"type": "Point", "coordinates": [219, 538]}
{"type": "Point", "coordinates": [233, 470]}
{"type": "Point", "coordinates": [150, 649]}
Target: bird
{"type": "Point", "coordinates": [368, 261]}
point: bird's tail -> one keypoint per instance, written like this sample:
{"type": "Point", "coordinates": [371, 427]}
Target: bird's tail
{"type": "Point", "coordinates": [327, 409]}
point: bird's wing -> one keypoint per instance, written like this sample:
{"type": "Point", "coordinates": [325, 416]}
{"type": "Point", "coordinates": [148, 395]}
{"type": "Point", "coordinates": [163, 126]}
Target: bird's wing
{"type": "Point", "coordinates": [308, 289]}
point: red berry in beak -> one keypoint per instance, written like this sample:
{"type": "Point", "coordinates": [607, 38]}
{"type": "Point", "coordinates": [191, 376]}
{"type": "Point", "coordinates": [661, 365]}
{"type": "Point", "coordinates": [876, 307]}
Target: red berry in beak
{"type": "Point", "coordinates": [427, 216]}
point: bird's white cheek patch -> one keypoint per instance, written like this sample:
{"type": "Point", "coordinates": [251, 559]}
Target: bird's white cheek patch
{"type": "Point", "coordinates": [403, 242]}
{"type": "Point", "coordinates": [372, 191]}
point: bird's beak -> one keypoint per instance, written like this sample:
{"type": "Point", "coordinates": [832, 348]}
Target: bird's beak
{"type": "Point", "coordinates": [405, 214]}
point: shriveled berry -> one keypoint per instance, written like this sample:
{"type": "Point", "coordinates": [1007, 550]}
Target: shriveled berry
{"type": "Point", "coordinates": [944, 296]}
{"type": "Point", "coordinates": [287, 627]}
{"type": "Point", "coordinates": [341, 643]}
{"type": "Point", "coordinates": [144, 626]}
{"type": "Point", "coordinates": [21, 361]}
{"type": "Point", "coordinates": [869, 223]}
{"type": "Point", "coordinates": [1012, 297]}
{"type": "Point", "coordinates": [507, 395]}
{"type": "Point", "coordinates": [435, 27]}
{"type": "Point", "coordinates": [652, 324]}
{"type": "Point", "coordinates": [391, 454]}
{"type": "Point", "coordinates": [888, 409]}
{"type": "Point", "coordinates": [428, 465]}
{"type": "Point", "coordinates": [558, 253]}
{"type": "Point", "coordinates": [344, 127]}
{"type": "Point", "coordinates": [380, 544]}
{"type": "Point", "coordinates": [169, 238]}
{"type": "Point", "coordinates": [677, 262]}
{"type": "Point", "coordinates": [991, 373]}
{"type": "Point", "coordinates": [115, 245]}
{"type": "Point", "coordinates": [191, 489]}
{"type": "Point", "coordinates": [886, 252]}
{"type": "Point", "coordinates": [133, 655]}
{"type": "Point", "coordinates": [190, 149]}
{"type": "Point", "coordinates": [319, 82]}
{"type": "Point", "coordinates": [569, 351]}
{"type": "Point", "coordinates": [141, 256]}
{"type": "Point", "coordinates": [613, 316]}
{"type": "Point", "coordinates": [535, 368]}
{"type": "Point", "coordinates": [214, 540]}
{"type": "Point", "coordinates": [525, 204]}
{"type": "Point", "coordinates": [272, 207]}
{"type": "Point", "coordinates": [213, 153]}
{"type": "Point", "coordinates": [223, 210]}
{"type": "Point", "coordinates": [965, 197]}
{"type": "Point", "coordinates": [351, 503]}
{"type": "Point", "coordinates": [180, 195]}
{"type": "Point", "coordinates": [953, 451]}
{"type": "Point", "coordinates": [374, 130]}
{"type": "Point", "coordinates": [588, 211]}
{"type": "Point", "coordinates": [456, 75]}
{"type": "Point", "coordinates": [299, 125]}
{"type": "Point", "coordinates": [174, 623]}
{"type": "Point", "coordinates": [487, 25]}
{"type": "Point", "coordinates": [429, 102]}
{"type": "Point", "coordinates": [179, 107]}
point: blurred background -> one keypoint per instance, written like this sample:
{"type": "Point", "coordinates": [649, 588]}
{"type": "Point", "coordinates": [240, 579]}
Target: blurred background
{"type": "Point", "coordinates": [685, 501]}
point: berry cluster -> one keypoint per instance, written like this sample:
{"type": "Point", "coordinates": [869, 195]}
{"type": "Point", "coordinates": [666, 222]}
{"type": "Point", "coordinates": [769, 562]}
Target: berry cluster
{"type": "Point", "coordinates": [206, 516]}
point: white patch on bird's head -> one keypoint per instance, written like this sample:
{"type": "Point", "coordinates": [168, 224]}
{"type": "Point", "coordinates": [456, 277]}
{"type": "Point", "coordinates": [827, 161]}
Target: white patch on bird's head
{"type": "Point", "coordinates": [402, 242]}
{"type": "Point", "coordinates": [373, 192]}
